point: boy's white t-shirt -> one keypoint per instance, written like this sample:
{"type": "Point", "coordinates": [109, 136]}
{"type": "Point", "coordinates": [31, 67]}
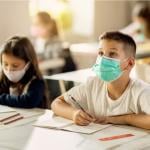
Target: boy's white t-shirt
{"type": "Point", "coordinates": [93, 97]}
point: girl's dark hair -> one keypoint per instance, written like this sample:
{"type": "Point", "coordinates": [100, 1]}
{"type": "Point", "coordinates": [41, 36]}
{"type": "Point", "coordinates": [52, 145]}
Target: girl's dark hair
{"type": "Point", "coordinates": [22, 48]}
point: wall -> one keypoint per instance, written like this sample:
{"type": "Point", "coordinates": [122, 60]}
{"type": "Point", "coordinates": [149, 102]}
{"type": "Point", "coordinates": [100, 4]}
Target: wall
{"type": "Point", "coordinates": [107, 15]}
{"type": "Point", "coordinates": [14, 18]}
{"type": "Point", "coordinates": [101, 16]}
{"type": "Point", "coordinates": [110, 15]}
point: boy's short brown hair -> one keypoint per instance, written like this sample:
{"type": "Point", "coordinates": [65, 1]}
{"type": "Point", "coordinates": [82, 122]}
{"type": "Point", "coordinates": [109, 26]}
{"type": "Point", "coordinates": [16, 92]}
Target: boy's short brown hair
{"type": "Point", "coordinates": [126, 40]}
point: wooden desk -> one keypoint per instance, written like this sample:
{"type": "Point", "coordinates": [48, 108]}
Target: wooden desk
{"type": "Point", "coordinates": [27, 137]}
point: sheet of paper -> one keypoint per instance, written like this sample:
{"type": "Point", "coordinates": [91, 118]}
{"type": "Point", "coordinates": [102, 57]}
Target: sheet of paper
{"type": "Point", "coordinates": [27, 113]}
{"type": "Point", "coordinates": [114, 131]}
{"type": "Point", "coordinates": [6, 115]}
{"type": "Point", "coordinates": [68, 125]}
{"type": "Point", "coordinates": [54, 122]}
{"type": "Point", "coordinates": [4, 109]}
{"type": "Point", "coordinates": [91, 128]}
{"type": "Point", "coordinates": [141, 143]}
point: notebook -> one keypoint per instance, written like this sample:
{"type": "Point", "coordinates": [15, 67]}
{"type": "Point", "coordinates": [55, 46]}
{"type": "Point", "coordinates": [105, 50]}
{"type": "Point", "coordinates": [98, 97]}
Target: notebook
{"type": "Point", "coordinates": [60, 123]}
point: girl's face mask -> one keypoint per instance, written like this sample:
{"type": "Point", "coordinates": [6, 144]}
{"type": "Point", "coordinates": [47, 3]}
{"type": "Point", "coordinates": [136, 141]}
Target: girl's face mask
{"type": "Point", "coordinates": [15, 76]}
{"type": "Point", "coordinates": [107, 69]}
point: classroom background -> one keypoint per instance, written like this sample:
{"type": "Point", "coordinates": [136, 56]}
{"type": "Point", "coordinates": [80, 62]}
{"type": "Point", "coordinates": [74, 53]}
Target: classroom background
{"type": "Point", "coordinates": [79, 25]}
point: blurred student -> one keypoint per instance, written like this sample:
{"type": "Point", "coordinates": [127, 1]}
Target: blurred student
{"type": "Point", "coordinates": [45, 32]}
{"type": "Point", "coordinates": [140, 28]}
{"type": "Point", "coordinates": [21, 83]}
{"type": "Point", "coordinates": [112, 96]}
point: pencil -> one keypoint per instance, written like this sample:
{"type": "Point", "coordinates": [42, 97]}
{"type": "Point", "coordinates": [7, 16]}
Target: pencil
{"type": "Point", "coordinates": [14, 115]}
{"type": "Point", "coordinates": [77, 103]}
{"type": "Point", "coordinates": [14, 120]}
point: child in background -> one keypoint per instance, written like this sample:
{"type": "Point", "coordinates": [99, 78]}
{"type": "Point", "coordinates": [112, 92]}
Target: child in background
{"type": "Point", "coordinates": [45, 32]}
{"type": "Point", "coordinates": [112, 96]}
{"type": "Point", "coordinates": [21, 83]}
{"type": "Point", "coordinates": [140, 28]}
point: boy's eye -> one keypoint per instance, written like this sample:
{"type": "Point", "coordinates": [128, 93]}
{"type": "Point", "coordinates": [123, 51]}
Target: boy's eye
{"type": "Point", "coordinates": [112, 54]}
{"type": "Point", "coordinates": [101, 53]}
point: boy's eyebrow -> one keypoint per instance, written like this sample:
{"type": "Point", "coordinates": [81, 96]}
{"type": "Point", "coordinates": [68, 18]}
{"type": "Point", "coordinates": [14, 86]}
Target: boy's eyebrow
{"type": "Point", "coordinates": [100, 48]}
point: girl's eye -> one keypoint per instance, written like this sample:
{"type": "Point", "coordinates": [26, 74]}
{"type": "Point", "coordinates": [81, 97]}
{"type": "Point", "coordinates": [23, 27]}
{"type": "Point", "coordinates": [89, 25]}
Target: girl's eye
{"type": "Point", "coordinates": [15, 66]}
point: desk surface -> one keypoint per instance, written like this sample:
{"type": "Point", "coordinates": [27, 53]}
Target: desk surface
{"type": "Point", "coordinates": [75, 76]}
{"type": "Point", "coordinates": [79, 76]}
{"type": "Point", "coordinates": [27, 137]}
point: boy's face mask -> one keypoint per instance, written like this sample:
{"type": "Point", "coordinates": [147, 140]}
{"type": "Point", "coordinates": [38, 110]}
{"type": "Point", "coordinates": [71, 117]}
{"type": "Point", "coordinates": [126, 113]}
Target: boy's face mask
{"type": "Point", "coordinates": [16, 76]}
{"type": "Point", "coordinates": [107, 69]}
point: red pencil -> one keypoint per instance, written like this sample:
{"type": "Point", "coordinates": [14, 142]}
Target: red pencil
{"type": "Point", "coordinates": [116, 137]}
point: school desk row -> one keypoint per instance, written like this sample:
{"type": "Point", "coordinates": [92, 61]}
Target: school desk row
{"type": "Point", "coordinates": [84, 55]}
{"type": "Point", "coordinates": [22, 135]}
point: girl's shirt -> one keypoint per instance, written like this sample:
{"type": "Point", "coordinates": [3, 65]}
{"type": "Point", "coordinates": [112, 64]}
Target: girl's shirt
{"type": "Point", "coordinates": [33, 95]}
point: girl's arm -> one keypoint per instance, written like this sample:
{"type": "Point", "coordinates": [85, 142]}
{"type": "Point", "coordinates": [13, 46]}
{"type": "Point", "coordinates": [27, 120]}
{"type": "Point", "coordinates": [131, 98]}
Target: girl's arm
{"type": "Point", "coordinates": [32, 98]}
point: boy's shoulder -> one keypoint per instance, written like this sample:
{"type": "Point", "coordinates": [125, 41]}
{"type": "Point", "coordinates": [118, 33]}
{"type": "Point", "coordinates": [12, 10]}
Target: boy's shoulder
{"type": "Point", "coordinates": [139, 85]}
{"type": "Point", "coordinates": [94, 81]}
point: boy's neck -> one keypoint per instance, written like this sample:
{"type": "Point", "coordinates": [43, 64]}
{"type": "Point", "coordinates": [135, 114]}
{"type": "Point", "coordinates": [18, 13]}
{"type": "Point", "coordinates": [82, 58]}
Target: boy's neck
{"type": "Point", "coordinates": [116, 88]}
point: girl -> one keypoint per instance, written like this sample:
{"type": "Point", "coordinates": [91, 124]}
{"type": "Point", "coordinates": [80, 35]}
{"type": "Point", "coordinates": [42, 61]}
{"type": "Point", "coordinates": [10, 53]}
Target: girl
{"type": "Point", "coordinates": [21, 83]}
{"type": "Point", "coordinates": [45, 32]}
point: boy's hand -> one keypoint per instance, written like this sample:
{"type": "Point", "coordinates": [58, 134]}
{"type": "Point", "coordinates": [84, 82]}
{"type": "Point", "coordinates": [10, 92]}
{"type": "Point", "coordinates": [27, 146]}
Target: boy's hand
{"type": "Point", "coordinates": [82, 118]}
{"type": "Point", "coordinates": [102, 120]}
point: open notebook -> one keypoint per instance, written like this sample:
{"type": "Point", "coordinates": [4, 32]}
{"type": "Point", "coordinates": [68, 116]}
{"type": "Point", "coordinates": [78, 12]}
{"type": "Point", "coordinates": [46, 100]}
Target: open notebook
{"type": "Point", "coordinates": [60, 123]}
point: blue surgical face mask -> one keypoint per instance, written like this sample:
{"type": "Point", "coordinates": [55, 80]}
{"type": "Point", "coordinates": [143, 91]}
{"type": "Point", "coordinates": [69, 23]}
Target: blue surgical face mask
{"type": "Point", "coordinates": [107, 69]}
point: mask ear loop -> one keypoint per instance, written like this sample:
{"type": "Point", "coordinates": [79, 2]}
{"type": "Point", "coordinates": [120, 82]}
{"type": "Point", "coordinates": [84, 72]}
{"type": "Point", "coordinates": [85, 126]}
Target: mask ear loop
{"type": "Point", "coordinates": [27, 66]}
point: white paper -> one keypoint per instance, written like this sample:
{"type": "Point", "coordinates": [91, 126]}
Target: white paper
{"type": "Point", "coordinates": [68, 125]}
{"type": "Point", "coordinates": [54, 122]}
{"type": "Point", "coordinates": [141, 143]}
{"type": "Point", "coordinates": [115, 131]}
{"type": "Point", "coordinates": [6, 115]}
{"type": "Point", "coordinates": [91, 128]}
{"type": "Point", "coordinates": [4, 109]}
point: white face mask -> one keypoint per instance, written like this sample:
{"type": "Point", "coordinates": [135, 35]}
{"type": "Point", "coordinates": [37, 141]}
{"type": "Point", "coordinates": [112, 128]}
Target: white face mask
{"type": "Point", "coordinates": [15, 76]}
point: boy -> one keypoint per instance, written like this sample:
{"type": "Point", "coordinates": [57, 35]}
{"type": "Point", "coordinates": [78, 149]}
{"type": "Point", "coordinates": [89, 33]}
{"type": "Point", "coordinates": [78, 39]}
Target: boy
{"type": "Point", "coordinates": [111, 96]}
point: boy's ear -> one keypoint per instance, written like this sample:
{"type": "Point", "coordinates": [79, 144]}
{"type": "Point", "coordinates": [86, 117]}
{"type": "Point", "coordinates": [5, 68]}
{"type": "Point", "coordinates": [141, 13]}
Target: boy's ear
{"type": "Point", "coordinates": [128, 64]}
{"type": "Point", "coordinates": [131, 63]}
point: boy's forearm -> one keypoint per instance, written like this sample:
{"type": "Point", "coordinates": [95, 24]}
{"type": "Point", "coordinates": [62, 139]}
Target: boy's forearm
{"type": "Point", "coordinates": [138, 120]}
{"type": "Point", "coordinates": [63, 109]}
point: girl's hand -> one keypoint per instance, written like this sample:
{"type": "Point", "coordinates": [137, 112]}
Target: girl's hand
{"type": "Point", "coordinates": [82, 118]}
